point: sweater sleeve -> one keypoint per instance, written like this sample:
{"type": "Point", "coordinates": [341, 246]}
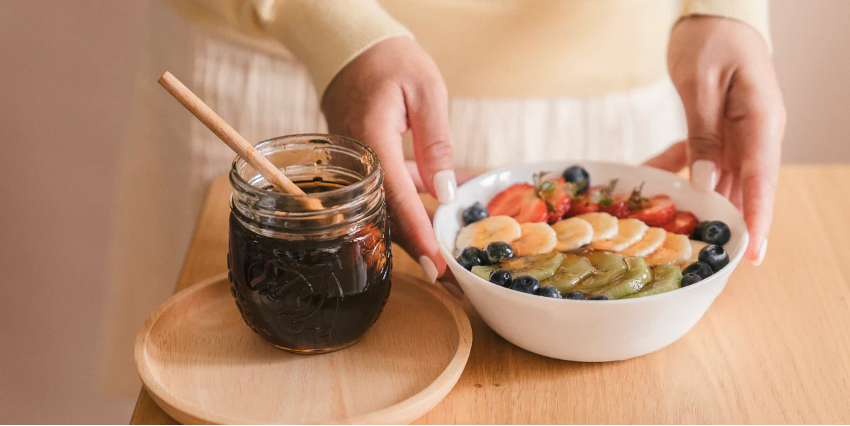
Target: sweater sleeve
{"type": "Point", "coordinates": [751, 12]}
{"type": "Point", "coordinates": [327, 34]}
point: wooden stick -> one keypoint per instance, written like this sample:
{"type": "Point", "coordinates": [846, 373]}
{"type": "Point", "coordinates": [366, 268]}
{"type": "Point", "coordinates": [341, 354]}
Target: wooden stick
{"type": "Point", "coordinates": [233, 139]}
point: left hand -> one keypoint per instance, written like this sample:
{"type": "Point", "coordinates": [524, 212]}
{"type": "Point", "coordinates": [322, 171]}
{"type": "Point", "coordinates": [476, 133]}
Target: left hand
{"type": "Point", "coordinates": [735, 113]}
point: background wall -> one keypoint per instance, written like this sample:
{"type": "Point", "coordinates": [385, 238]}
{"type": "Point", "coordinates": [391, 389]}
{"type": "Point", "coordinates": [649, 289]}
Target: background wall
{"type": "Point", "coordinates": [66, 69]}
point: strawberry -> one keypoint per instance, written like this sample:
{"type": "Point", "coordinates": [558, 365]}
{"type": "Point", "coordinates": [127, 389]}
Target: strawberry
{"type": "Point", "coordinates": [556, 195]}
{"type": "Point", "coordinates": [683, 223]}
{"type": "Point", "coordinates": [619, 208]}
{"type": "Point", "coordinates": [655, 211]}
{"type": "Point", "coordinates": [596, 199]}
{"type": "Point", "coordinates": [581, 206]}
{"type": "Point", "coordinates": [520, 202]}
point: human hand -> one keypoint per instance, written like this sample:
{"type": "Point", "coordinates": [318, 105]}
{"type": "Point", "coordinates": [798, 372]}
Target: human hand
{"type": "Point", "coordinates": [735, 113]}
{"type": "Point", "coordinates": [393, 87]}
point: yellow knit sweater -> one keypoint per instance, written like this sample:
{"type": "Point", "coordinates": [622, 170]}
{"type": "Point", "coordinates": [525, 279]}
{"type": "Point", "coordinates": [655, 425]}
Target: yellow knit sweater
{"type": "Point", "coordinates": [484, 48]}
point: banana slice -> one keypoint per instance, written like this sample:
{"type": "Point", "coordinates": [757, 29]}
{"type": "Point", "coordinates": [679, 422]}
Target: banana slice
{"type": "Point", "coordinates": [629, 232]}
{"type": "Point", "coordinates": [572, 233]}
{"type": "Point", "coordinates": [604, 225]}
{"type": "Point", "coordinates": [675, 250]}
{"type": "Point", "coordinates": [485, 231]}
{"type": "Point", "coordinates": [650, 242]}
{"type": "Point", "coordinates": [536, 238]}
{"type": "Point", "coordinates": [696, 246]}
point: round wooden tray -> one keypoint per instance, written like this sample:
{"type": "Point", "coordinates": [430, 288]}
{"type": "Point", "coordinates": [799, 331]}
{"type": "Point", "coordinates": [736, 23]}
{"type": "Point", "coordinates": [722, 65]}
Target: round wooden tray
{"type": "Point", "coordinates": [202, 364]}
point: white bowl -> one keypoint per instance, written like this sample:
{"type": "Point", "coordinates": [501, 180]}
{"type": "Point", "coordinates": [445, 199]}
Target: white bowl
{"type": "Point", "coordinates": [592, 331]}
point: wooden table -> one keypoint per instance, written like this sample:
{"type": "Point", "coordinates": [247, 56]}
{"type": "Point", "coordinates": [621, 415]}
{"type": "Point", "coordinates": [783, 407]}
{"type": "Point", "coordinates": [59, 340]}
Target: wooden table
{"type": "Point", "coordinates": [774, 347]}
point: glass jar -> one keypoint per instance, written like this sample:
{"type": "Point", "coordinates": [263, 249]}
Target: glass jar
{"type": "Point", "coordinates": [310, 281]}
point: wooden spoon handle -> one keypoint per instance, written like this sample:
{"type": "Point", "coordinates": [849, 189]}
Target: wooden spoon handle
{"type": "Point", "coordinates": [229, 136]}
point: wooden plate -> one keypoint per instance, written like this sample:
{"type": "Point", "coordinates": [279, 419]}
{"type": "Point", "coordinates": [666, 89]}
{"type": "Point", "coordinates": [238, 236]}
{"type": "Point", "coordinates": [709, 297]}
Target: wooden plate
{"type": "Point", "coordinates": [202, 364]}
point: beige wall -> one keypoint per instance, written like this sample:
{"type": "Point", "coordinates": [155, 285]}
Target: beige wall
{"type": "Point", "coordinates": [65, 73]}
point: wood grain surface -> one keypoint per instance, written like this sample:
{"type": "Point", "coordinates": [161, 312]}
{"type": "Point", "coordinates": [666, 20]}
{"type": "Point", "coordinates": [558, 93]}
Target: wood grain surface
{"type": "Point", "coordinates": [774, 347]}
{"type": "Point", "coordinates": [202, 364]}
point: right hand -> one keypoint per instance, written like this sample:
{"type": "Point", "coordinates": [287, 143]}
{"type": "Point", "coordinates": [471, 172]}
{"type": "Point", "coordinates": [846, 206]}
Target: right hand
{"type": "Point", "coordinates": [393, 87]}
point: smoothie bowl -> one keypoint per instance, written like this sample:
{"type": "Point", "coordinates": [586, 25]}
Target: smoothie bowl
{"type": "Point", "coordinates": [592, 261]}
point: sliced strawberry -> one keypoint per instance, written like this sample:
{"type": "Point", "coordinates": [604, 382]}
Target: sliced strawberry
{"type": "Point", "coordinates": [683, 223]}
{"type": "Point", "coordinates": [657, 211]}
{"type": "Point", "coordinates": [557, 198]}
{"type": "Point", "coordinates": [619, 208]}
{"type": "Point", "coordinates": [582, 206]}
{"type": "Point", "coordinates": [519, 202]}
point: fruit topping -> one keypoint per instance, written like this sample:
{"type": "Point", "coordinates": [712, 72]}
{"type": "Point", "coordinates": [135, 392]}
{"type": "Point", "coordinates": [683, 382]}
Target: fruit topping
{"type": "Point", "coordinates": [485, 231]}
{"type": "Point", "coordinates": [696, 246]}
{"type": "Point", "coordinates": [664, 278]}
{"type": "Point", "coordinates": [573, 270]}
{"type": "Point", "coordinates": [599, 297]}
{"type": "Point", "coordinates": [607, 266]}
{"type": "Point", "coordinates": [556, 194]}
{"type": "Point", "coordinates": [579, 177]}
{"type": "Point", "coordinates": [549, 291]}
{"type": "Point", "coordinates": [520, 202]}
{"type": "Point", "coordinates": [714, 232]}
{"type": "Point", "coordinates": [650, 242]}
{"type": "Point", "coordinates": [656, 211]}
{"type": "Point", "coordinates": [572, 233]}
{"type": "Point", "coordinates": [525, 284]}
{"type": "Point", "coordinates": [536, 238]}
{"type": "Point", "coordinates": [629, 231]}
{"type": "Point", "coordinates": [574, 295]}
{"type": "Point", "coordinates": [715, 256]}
{"type": "Point", "coordinates": [675, 250]}
{"type": "Point", "coordinates": [700, 268]}
{"type": "Point", "coordinates": [469, 257]}
{"type": "Point", "coordinates": [689, 279]}
{"type": "Point", "coordinates": [539, 266]}
{"type": "Point", "coordinates": [636, 276]}
{"type": "Point", "coordinates": [618, 207]}
{"type": "Point", "coordinates": [474, 213]}
{"type": "Point", "coordinates": [683, 223]}
{"type": "Point", "coordinates": [604, 225]}
{"type": "Point", "coordinates": [498, 251]}
{"type": "Point", "coordinates": [501, 277]}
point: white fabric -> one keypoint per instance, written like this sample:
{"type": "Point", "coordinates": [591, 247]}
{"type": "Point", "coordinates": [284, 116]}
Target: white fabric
{"type": "Point", "coordinates": [169, 158]}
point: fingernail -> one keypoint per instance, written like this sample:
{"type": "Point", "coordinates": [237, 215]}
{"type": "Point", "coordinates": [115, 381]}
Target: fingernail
{"type": "Point", "coordinates": [453, 289]}
{"type": "Point", "coordinates": [429, 268]}
{"type": "Point", "coordinates": [704, 175]}
{"type": "Point", "coordinates": [762, 252]}
{"type": "Point", "coordinates": [445, 185]}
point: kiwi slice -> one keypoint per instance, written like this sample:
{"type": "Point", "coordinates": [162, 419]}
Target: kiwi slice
{"type": "Point", "coordinates": [637, 275]}
{"type": "Point", "coordinates": [483, 271]}
{"type": "Point", "coordinates": [574, 269]}
{"type": "Point", "coordinates": [540, 266]}
{"type": "Point", "coordinates": [664, 278]}
{"type": "Point", "coordinates": [607, 267]}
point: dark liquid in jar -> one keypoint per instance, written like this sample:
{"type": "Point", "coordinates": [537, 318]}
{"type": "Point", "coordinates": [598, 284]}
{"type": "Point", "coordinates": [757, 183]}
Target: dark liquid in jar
{"type": "Point", "coordinates": [310, 296]}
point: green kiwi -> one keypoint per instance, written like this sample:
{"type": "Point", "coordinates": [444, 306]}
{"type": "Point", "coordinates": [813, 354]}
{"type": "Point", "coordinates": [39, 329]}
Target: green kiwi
{"type": "Point", "coordinates": [637, 275]}
{"type": "Point", "coordinates": [607, 267]}
{"type": "Point", "coordinates": [574, 269]}
{"type": "Point", "coordinates": [664, 278]}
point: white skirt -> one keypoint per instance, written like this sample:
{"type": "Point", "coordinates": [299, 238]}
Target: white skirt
{"type": "Point", "coordinates": [169, 158]}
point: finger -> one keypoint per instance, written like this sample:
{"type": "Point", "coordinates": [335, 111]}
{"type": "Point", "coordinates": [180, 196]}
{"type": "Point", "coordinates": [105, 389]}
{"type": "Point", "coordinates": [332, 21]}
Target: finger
{"type": "Point", "coordinates": [756, 120]}
{"type": "Point", "coordinates": [462, 175]}
{"type": "Point", "coordinates": [380, 128]}
{"type": "Point", "coordinates": [427, 108]}
{"type": "Point", "coordinates": [674, 159]}
{"type": "Point", "coordinates": [703, 98]}
{"type": "Point", "coordinates": [724, 184]}
{"type": "Point", "coordinates": [449, 282]}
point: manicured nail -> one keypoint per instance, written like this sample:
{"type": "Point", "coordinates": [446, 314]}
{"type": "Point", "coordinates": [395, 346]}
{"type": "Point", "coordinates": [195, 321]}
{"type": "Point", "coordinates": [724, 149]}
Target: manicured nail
{"type": "Point", "coordinates": [762, 252]}
{"type": "Point", "coordinates": [429, 268]}
{"type": "Point", "coordinates": [704, 175]}
{"type": "Point", "coordinates": [445, 185]}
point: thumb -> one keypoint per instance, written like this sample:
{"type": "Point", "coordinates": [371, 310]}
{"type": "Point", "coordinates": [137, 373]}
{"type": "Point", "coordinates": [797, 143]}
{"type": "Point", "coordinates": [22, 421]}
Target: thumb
{"type": "Point", "coordinates": [427, 108]}
{"type": "Point", "coordinates": [704, 103]}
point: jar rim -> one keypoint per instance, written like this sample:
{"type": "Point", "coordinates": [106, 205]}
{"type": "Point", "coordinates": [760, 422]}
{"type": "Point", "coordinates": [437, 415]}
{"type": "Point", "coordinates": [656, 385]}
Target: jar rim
{"type": "Point", "coordinates": [236, 177]}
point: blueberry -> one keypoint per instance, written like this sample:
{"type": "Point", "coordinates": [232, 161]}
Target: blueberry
{"type": "Point", "coordinates": [469, 257]}
{"type": "Point", "coordinates": [498, 251]}
{"type": "Point", "coordinates": [574, 295]}
{"type": "Point", "coordinates": [698, 230]}
{"type": "Point", "coordinates": [714, 256]}
{"type": "Point", "coordinates": [689, 279]}
{"type": "Point", "coordinates": [700, 268]}
{"type": "Point", "coordinates": [578, 176]}
{"type": "Point", "coordinates": [474, 213]}
{"type": "Point", "coordinates": [549, 291]}
{"type": "Point", "coordinates": [599, 297]}
{"type": "Point", "coordinates": [715, 232]}
{"type": "Point", "coordinates": [501, 277]}
{"type": "Point", "coordinates": [525, 284]}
